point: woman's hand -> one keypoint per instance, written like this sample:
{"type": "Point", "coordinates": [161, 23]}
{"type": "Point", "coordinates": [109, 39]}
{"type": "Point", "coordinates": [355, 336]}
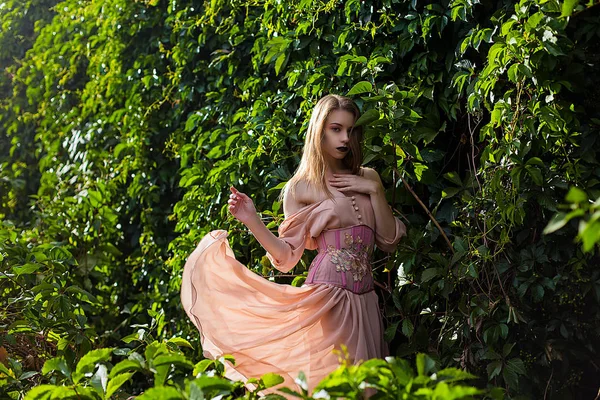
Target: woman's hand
{"type": "Point", "coordinates": [355, 183]}
{"type": "Point", "coordinates": [241, 206]}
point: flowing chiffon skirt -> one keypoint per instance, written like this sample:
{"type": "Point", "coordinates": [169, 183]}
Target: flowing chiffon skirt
{"type": "Point", "coordinates": [270, 327]}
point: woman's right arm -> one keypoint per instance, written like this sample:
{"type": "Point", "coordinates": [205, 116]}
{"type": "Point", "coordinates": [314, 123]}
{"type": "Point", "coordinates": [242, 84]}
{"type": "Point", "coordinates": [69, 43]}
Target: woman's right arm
{"type": "Point", "coordinates": [242, 208]}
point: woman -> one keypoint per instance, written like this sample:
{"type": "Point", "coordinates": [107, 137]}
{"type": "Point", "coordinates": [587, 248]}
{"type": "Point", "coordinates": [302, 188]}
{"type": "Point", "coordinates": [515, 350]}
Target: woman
{"type": "Point", "coordinates": [330, 204]}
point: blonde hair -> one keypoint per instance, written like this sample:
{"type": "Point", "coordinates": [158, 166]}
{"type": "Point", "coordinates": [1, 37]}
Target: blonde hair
{"type": "Point", "coordinates": [312, 165]}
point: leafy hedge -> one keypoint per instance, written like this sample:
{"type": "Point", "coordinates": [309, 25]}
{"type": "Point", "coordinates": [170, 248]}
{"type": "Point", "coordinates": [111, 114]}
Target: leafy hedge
{"type": "Point", "coordinates": [124, 123]}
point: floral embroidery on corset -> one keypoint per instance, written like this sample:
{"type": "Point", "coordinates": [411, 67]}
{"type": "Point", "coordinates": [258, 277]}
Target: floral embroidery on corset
{"type": "Point", "coordinates": [354, 258]}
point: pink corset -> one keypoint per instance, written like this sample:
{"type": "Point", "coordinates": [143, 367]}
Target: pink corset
{"type": "Point", "coordinates": [344, 259]}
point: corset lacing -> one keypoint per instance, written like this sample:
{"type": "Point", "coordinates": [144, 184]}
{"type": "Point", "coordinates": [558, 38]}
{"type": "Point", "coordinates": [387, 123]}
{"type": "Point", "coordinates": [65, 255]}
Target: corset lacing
{"type": "Point", "coordinates": [344, 259]}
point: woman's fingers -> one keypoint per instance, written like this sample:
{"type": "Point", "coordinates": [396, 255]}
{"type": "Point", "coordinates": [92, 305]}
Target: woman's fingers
{"type": "Point", "coordinates": [339, 183]}
{"type": "Point", "coordinates": [236, 194]}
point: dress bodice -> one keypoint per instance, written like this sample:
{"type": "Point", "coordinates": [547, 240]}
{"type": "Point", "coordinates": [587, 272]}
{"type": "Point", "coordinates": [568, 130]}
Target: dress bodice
{"type": "Point", "coordinates": [344, 259]}
{"type": "Point", "coordinates": [344, 231]}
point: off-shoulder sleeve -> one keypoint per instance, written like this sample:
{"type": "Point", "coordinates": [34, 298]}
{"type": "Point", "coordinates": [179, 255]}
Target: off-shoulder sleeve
{"type": "Point", "coordinates": [298, 232]}
{"type": "Point", "coordinates": [388, 245]}
{"type": "Point", "coordinates": [294, 234]}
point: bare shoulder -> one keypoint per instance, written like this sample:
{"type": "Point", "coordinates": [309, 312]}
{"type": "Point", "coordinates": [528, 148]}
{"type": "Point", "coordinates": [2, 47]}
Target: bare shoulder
{"type": "Point", "coordinates": [293, 201]}
{"type": "Point", "coordinates": [371, 174]}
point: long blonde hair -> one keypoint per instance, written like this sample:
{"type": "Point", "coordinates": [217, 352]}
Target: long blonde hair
{"type": "Point", "coordinates": [312, 165]}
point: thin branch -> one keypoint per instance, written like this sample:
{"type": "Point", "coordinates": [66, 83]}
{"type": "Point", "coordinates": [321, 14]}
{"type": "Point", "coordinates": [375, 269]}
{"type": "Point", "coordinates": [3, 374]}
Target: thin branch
{"type": "Point", "coordinates": [395, 178]}
{"type": "Point", "coordinates": [426, 210]}
{"type": "Point", "coordinates": [387, 289]}
{"type": "Point", "coordinates": [16, 282]}
{"type": "Point", "coordinates": [548, 385]}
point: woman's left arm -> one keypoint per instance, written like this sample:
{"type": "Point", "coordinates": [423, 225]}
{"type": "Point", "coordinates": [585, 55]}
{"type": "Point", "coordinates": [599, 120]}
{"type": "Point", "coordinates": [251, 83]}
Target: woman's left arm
{"type": "Point", "coordinates": [389, 228]}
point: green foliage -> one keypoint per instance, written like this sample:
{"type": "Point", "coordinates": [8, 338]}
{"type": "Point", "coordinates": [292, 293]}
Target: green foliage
{"type": "Point", "coordinates": [589, 227]}
{"type": "Point", "coordinates": [98, 375]}
{"type": "Point", "coordinates": [165, 365]}
{"type": "Point", "coordinates": [395, 378]}
{"type": "Point", "coordinates": [123, 124]}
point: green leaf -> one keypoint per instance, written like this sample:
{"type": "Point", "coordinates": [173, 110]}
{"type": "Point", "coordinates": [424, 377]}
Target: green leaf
{"type": "Point", "coordinates": [506, 349]}
{"type": "Point", "coordinates": [89, 360]}
{"type": "Point", "coordinates": [7, 372]}
{"type": "Point", "coordinates": [180, 342]}
{"type": "Point", "coordinates": [567, 7]}
{"type": "Point", "coordinates": [425, 364]}
{"type": "Point", "coordinates": [535, 19]}
{"type": "Point", "coordinates": [56, 364]}
{"type": "Point", "coordinates": [450, 192]}
{"type": "Point", "coordinates": [139, 335]}
{"type": "Point", "coordinates": [576, 195]}
{"type": "Point", "coordinates": [115, 383]}
{"type": "Point", "coordinates": [512, 73]}
{"type": "Point", "coordinates": [535, 161]}
{"type": "Point", "coordinates": [195, 392]}
{"type": "Point", "coordinates": [535, 174]}
{"type": "Point", "coordinates": [402, 370]}
{"type": "Point", "coordinates": [453, 375]}
{"type": "Point", "coordinates": [391, 330]}
{"type": "Point", "coordinates": [419, 169]}
{"type": "Point", "coordinates": [517, 365]}
{"type": "Point", "coordinates": [360, 88]}
{"type": "Point", "coordinates": [202, 366]}
{"type": "Point", "coordinates": [26, 375]}
{"type": "Point", "coordinates": [77, 289]}
{"type": "Point", "coordinates": [407, 328]}
{"type": "Point", "coordinates": [279, 63]}
{"type": "Point", "coordinates": [175, 359]}
{"type": "Point", "coordinates": [212, 382]}
{"type": "Point", "coordinates": [290, 392]}
{"type": "Point", "coordinates": [40, 392]}
{"type": "Point", "coordinates": [119, 148]}
{"type": "Point", "coordinates": [271, 379]}
{"type": "Point", "coordinates": [39, 256]}
{"type": "Point", "coordinates": [524, 70]}
{"type": "Point", "coordinates": [453, 177]}
{"type": "Point", "coordinates": [557, 222]}
{"type": "Point", "coordinates": [368, 117]}
{"type": "Point", "coordinates": [494, 368]}
{"type": "Point", "coordinates": [160, 393]}
{"type": "Point", "coordinates": [445, 391]}
{"type": "Point", "coordinates": [125, 365]}
{"type": "Point", "coordinates": [95, 198]}
{"type": "Point", "coordinates": [28, 268]}
{"type": "Point", "coordinates": [537, 292]}
{"type": "Point", "coordinates": [514, 368]}
{"type": "Point", "coordinates": [590, 235]}
{"type": "Point", "coordinates": [553, 49]}
{"type": "Point", "coordinates": [100, 379]}
{"type": "Point", "coordinates": [429, 274]}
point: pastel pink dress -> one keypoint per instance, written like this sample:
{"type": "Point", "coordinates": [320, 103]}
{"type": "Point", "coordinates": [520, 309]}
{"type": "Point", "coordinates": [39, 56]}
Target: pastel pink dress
{"type": "Point", "coordinates": [270, 327]}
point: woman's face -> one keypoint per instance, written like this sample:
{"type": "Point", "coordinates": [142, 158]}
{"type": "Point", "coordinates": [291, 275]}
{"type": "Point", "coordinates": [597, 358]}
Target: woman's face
{"type": "Point", "coordinates": [337, 134]}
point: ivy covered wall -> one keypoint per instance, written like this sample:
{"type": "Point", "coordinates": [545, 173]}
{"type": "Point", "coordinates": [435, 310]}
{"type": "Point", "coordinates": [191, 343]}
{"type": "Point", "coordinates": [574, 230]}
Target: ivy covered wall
{"type": "Point", "coordinates": [123, 124]}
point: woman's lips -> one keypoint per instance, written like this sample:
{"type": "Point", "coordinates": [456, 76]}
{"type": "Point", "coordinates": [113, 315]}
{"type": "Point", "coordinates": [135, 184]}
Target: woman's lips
{"type": "Point", "coordinates": [343, 149]}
